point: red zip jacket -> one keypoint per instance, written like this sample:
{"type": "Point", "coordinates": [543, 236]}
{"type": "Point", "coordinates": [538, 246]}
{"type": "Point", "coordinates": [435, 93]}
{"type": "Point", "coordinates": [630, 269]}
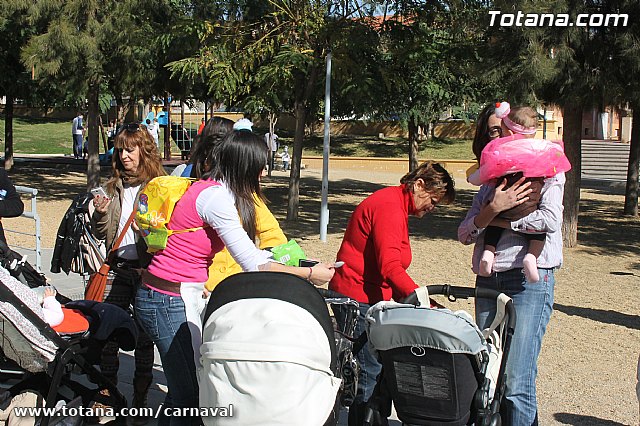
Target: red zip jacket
{"type": "Point", "coordinates": [376, 249]}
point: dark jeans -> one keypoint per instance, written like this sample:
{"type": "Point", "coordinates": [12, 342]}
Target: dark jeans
{"type": "Point", "coordinates": [121, 293]}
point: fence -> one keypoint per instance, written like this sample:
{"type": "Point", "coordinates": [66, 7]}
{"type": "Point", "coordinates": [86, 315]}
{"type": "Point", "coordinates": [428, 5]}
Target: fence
{"type": "Point", "coordinates": [33, 214]}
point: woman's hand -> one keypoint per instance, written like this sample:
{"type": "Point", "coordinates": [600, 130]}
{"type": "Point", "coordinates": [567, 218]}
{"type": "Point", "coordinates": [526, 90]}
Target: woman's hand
{"type": "Point", "coordinates": [322, 273]}
{"type": "Point", "coordinates": [504, 199]}
{"type": "Point", "coordinates": [101, 203]}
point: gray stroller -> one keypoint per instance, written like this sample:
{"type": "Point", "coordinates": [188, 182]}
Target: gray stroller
{"type": "Point", "coordinates": [438, 367]}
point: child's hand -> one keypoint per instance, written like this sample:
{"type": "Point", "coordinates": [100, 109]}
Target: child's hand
{"type": "Point", "coordinates": [49, 291]}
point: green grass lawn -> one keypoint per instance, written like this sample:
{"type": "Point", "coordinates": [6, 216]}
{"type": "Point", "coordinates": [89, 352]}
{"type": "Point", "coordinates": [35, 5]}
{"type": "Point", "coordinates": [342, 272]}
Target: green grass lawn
{"type": "Point", "coordinates": [50, 136]}
{"type": "Point", "coordinates": [40, 136]}
{"type": "Point", "coordinates": [47, 136]}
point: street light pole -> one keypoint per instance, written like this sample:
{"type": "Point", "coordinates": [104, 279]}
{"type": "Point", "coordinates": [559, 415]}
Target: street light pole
{"type": "Point", "coordinates": [324, 206]}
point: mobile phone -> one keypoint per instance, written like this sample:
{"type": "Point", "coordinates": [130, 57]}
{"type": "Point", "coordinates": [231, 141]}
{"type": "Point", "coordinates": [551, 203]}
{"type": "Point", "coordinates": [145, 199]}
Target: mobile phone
{"type": "Point", "coordinates": [99, 191]}
{"type": "Point", "coordinates": [307, 263]}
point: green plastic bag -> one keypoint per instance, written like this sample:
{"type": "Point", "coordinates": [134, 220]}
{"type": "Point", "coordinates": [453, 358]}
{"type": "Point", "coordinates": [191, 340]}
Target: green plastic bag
{"type": "Point", "coordinates": [288, 253]}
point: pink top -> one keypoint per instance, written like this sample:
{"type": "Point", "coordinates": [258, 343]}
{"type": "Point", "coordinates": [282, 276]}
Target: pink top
{"type": "Point", "coordinates": [188, 255]}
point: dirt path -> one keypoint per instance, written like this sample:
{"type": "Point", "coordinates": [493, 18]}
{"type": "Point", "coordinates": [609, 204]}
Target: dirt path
{"type": "Point", "coordinates": [589, 357]}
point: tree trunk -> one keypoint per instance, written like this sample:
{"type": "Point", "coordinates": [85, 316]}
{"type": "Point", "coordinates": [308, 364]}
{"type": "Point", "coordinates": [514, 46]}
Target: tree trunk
{"type": "Point", "coordinates": [413, 145]}
{"type": "Point", "coordinates": [8, 133]}
{"type": "Point", "coordinates": [273, 119]}
{"type": "Point", "coordinates": [181, 114]}
{"type": "Point", "coordinates": [167, 129]}
{"type": "Point", "coordinates": [573, 149]}
{"type": "Point", "coordinates": [304, 87]}
{"type": "Point", "coordinates": [300, 113]}
{"type": "Point", "coordinates": [93, 162]}
{"type": "Point", "coordinates": [631, 192]}
{"type": "Point", "coordinates": [103, 133]}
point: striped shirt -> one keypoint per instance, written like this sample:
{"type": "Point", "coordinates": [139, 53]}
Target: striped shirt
{"type": "Point", "coordinates": [512, 247]}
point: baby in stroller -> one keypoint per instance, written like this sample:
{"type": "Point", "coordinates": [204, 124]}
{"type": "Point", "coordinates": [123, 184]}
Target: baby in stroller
{"type": "Point", "coordinates": [38, 358]}
{"type": "Point", "coordinates": [438, 367]}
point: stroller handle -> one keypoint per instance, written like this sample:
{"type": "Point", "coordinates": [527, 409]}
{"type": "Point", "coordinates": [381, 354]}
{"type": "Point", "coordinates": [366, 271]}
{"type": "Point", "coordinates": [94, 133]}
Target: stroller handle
{"type": "Point", "coordinates": [330, 294]}
{"type": "Point", "coordinates": [457, 292]}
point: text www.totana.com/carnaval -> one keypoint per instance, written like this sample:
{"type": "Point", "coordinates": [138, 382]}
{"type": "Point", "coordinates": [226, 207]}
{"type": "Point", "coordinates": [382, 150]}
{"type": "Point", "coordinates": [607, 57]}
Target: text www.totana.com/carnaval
{"type": "Point", "coordinates": [124, 412]}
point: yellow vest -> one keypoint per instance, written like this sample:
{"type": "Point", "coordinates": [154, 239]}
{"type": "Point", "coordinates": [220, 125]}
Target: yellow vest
{"type": "Point", "coordinates": [267, 231]}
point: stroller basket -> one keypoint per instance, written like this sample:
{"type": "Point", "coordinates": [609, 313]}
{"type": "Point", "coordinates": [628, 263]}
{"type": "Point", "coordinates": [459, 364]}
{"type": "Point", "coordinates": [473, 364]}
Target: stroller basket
{"type": "Point", "coordinates": [438, 368]}
{"type": "Point", "coordinates": [347, 366]}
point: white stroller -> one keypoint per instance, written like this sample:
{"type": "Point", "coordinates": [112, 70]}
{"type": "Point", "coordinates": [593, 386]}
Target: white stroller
{"type": "Point", "coordinates": [269, 350]}
{"type": "Point", "coordinates": [438, 367]}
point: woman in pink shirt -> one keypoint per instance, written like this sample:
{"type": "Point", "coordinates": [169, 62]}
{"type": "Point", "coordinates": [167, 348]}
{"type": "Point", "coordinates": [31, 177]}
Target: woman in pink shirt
{"type": "Point", "coordinates": [222, 205]}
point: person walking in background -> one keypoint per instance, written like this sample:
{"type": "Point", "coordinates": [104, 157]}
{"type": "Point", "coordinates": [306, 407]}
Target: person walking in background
{"type": "Point", "coordinates": [136, 161]}
{"type": "Point", "coordinates": [271, 139]}
{"type": "Point", "coordinates": [10, 203]}
{"type": "Point", "coordinates": [156, 131]}
{"type": "Point", "coordinates": [286, 158]}
{"type": "Point", "coordinates": [377, 253]}
{"type": "Point", "coordinates": [152, 128]}
{"type": "Point", "coordinates": [201, 127]}
{"type": "Point", "coordinates": [77, 133]}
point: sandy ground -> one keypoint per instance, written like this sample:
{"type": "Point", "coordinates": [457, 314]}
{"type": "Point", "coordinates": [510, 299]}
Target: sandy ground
{"type": "Point", "coordinates": [587, 368]}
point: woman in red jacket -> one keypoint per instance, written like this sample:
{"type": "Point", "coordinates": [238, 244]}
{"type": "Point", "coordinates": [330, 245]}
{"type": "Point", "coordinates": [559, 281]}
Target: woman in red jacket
{"type": "Point", "coordinates": [376, 253]}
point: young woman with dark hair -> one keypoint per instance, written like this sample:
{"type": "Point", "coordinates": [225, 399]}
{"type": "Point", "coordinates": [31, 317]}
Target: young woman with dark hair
{"type": "Point", "coordinates": [212, 133]}
{"type": "Point", "coordinates": [530, 210]}
{"type": "Point", "coordinates": [221, 204]}
{"type": "Point", "coordinates": [268, 231]}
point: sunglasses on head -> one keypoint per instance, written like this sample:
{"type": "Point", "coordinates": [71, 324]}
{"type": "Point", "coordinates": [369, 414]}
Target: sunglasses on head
{"type": "Point", "coordinates": [131, 127]}
{"type": "Point", "coordinates": [495, 132]}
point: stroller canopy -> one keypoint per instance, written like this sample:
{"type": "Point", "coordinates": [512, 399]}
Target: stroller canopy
{"type": "Point", "coordinates": [393, 325]}
{"type": "Point", "coordinates": [268, 349]}
{"type": "Point", "coordinates": [21, 340]}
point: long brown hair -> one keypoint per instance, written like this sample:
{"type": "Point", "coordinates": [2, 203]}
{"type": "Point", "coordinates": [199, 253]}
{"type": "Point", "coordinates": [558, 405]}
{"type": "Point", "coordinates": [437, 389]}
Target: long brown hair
{"type": "Point", "coordinates": [150, 164]}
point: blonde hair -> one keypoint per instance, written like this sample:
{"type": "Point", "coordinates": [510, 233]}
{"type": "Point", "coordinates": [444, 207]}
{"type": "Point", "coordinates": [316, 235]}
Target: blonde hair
{"type": "Point", "coordinates": [524, 116]}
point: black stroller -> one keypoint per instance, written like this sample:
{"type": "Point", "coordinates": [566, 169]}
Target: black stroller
{"type": "Point", "coordinates": [438, 367]}
{"type": "Point", "coordinates": [269, 347]}
{"type": "Point", "coordinates": [36, 358]}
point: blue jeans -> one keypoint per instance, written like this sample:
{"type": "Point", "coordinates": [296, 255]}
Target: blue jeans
{"type": "Point", "coordinates": [77, 146]}
{"type": "Point", "coordinates": [164, 319]}
{"type": "Point", "coordinates": [534, 304]}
